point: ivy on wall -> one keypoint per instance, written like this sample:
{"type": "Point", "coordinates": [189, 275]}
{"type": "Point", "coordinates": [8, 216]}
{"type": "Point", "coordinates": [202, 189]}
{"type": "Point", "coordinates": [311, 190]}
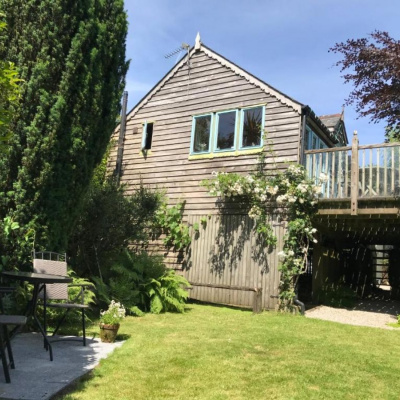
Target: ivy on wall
{"type": "Point", "coordinates": [169, 222]}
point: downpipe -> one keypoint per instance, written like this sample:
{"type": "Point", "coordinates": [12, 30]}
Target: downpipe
{"type": "Point", "coordinates": [300, 304]}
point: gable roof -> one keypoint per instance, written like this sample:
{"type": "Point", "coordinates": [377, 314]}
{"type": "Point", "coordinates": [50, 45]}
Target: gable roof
{"type": "Point", "coordinates": [331, 120]}
{"type": "Point", "coordinates": [199, 47]}
{"type": "Point", "coordinates": [335, 123]}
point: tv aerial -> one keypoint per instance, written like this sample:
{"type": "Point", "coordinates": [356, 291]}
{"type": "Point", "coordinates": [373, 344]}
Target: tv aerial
{"type": "Point", "coordinates": [183, 47]}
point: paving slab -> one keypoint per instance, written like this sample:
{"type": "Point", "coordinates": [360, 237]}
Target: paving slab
{"type": "Point", "coordinates": [36, 377]}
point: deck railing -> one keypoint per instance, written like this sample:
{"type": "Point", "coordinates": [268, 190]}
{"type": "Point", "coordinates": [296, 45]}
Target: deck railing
{"type": "Point", "coordinates": [356, 172]}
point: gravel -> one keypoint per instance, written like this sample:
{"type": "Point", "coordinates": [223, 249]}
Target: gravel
{"type": "Point", "coordinates": [373, 313]}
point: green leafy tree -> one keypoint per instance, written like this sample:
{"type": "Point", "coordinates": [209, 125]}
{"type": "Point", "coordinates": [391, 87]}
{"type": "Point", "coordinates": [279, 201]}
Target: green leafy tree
{"type": "Point", "coordinates": [71, 58]}
{"type": "Point", "coordinates": [9, 94]}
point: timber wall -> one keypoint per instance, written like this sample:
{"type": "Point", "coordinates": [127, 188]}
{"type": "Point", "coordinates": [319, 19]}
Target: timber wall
{"type": "Point", "coordinates": [209, 87]}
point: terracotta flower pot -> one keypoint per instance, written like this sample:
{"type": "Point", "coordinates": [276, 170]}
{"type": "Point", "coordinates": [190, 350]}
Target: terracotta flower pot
{"type": "Point", "coordinates": [108, 333]}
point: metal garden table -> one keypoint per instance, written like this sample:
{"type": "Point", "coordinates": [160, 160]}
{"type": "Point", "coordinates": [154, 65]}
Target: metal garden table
{"type": "Point", "coordinates": [38, 281]}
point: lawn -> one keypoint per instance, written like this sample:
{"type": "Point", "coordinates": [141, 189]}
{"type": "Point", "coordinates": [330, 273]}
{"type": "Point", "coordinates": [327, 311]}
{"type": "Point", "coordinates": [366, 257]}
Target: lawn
{"type": "Point", "coordinates": [221, 353]}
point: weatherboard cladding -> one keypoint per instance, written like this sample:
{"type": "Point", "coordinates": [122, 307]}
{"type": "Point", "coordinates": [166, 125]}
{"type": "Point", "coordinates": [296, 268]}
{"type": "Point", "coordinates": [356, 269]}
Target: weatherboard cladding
{"type": "Point", "coordinates": [222, 61]}
{"type": "Point", "coordinates": [209, 86]}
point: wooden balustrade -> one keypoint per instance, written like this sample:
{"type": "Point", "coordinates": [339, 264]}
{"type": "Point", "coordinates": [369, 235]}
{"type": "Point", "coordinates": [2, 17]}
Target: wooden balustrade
{"type": "Point", "coordinates": [370, 171]}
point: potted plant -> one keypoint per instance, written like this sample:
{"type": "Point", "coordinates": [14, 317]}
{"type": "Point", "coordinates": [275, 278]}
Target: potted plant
{"type": "Point", "coordinates": [110, 320]}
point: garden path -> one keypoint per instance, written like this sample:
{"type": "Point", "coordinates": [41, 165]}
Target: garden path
{"type": "Point", "coordinates": [373, 313]}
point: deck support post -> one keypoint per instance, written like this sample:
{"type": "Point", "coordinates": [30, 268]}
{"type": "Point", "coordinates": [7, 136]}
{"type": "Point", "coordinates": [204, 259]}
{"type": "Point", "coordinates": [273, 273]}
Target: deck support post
{"type": "Point", "coordinates": [354, 175]}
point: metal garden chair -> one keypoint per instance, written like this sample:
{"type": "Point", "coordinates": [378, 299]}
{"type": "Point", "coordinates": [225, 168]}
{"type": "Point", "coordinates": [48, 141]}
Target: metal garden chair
{"type": "Point", "coordinates": [5, 343]}
{"type": "Point", "coordinates": [56, 264]}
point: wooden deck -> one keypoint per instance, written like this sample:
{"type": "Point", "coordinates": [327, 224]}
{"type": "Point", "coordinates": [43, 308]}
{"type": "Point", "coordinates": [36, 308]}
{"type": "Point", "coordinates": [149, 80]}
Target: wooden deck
{"type": "Point", "coordinates": [357, 180]}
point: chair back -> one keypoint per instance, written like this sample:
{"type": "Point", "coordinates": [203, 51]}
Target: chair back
{"type": "Point", "coordinates": [54, 264]}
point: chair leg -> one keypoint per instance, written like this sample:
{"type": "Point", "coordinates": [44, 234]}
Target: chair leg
{"type": "Point", "coordinates": [83, 327]}
{"type": "Point", "coordinates": [3, 356]}
{"type": "Point", "coordinates": [9, 349]}
{"type": "Point", "coordinates": [45, 322]}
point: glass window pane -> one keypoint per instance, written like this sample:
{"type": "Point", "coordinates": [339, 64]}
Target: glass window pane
{"type": "Point", "coordinates": [226, 130]}
{"type": "Point", "coordinates": [252, 127]}
{"type": "Point", "coordinates": [202, 134]}
{"type": "Point", "coordinates": [314, 141]}
{"type": "Point", "coordinates": [306, 140]}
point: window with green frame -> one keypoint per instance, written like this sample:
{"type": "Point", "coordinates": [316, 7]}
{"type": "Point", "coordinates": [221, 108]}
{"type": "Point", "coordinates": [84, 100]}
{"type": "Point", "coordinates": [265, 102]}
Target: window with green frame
{"type": "Point", "coordinates": [228, 130]}
{"type": "Point", "coordinates": [313, 141]}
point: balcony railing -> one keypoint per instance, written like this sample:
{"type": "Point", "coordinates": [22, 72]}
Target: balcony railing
{"type": "Point", "coordinates": [371, 171]}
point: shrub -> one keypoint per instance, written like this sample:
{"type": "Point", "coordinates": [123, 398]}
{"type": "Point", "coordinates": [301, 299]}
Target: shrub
{"type": "Point", "coordinates": [167, 293]}
{"type": "Point", "coordinates": [143, 283]}
{"type": "Point", "coordinates": [110, 220]}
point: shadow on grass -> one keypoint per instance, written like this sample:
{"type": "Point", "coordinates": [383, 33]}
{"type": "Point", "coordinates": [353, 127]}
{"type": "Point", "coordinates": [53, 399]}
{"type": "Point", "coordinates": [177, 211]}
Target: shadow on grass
{"type": "Point", "coordinates": [123, 336]}
{"type": "Point", "coordinates": [204, 303]}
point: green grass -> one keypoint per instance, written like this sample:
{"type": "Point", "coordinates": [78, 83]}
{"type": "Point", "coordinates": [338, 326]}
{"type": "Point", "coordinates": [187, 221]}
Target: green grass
{"type": "Point", "coordinates": [221, 353]}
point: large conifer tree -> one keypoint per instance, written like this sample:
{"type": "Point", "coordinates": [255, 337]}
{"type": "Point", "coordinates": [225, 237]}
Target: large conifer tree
{"type": "Point", "coordinates": [71, 57]}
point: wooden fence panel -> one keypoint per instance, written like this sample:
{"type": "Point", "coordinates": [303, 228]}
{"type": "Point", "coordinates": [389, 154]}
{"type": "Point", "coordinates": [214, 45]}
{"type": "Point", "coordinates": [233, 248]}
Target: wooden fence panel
{"type": "Point", "coordinates": [227, 262]}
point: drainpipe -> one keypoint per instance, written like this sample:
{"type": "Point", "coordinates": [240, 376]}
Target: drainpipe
{"type": "Point", "coordinates": [122, 129]}
{"type": "Point", "coordinates": [302, 135]}
{"type": "Point", "coordinates": [301, 304]}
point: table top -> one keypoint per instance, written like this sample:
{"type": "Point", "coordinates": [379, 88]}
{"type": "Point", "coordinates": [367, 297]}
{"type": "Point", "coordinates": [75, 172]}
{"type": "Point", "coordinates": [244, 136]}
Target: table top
{"type": "Point", "coordinates": [34, 277]}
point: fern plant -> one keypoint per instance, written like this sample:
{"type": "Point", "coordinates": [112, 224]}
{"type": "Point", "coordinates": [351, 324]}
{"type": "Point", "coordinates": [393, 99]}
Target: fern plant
{"type": "Point", "coordinates": [168, 293]}
{"type": "Point", "coordinates": [143, 283]}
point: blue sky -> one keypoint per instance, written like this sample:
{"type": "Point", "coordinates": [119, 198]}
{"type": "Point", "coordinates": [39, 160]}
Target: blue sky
{"type": "Point", "coordinates": [283, 42]}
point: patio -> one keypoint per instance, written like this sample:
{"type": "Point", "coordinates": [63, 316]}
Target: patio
{"type": "Point", "coordinates": [35, 377]}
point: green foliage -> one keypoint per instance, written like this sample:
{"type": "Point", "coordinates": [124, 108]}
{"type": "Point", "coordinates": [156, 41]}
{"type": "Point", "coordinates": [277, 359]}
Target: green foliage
{"type": "Point", "coordinates": [73, 318]}
{"type": "Point", "coordinates": [114, 314]}
{"type": "Point", "coordinates": [9, 94]}
{"type": "Point", "coordinates": [392, 133]}
{"type": "Point", "coordinates": [290, 194]}
{"type": "Point", "coordinates": [142, 283]}
{"type": "Point", "coordinates": [74, 288]}
{"type": "Point", "coordinates": [110, 220]}
{"type": "Point", "coordinates": [71, 59]}
{"type": "Point", "coordinates": [16, 245]}
{"type": "Point", "coordinates": [167, 293]}
{"type": "Point", "coordinates": [169, 222]}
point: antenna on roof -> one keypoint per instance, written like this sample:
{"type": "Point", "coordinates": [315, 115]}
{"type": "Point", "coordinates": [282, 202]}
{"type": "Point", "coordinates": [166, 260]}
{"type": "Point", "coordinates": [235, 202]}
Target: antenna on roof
{"type": "Point", "coordinates": [184, 46]}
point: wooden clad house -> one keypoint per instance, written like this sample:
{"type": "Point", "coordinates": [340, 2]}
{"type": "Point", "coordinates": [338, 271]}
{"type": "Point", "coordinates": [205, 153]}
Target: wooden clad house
{"type": "Point", "coordinates": [195, 121]}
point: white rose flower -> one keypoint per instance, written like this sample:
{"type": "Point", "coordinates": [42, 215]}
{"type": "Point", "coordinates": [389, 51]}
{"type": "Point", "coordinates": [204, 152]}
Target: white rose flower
{"type": "Point", "coordinates": [317, 189]}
